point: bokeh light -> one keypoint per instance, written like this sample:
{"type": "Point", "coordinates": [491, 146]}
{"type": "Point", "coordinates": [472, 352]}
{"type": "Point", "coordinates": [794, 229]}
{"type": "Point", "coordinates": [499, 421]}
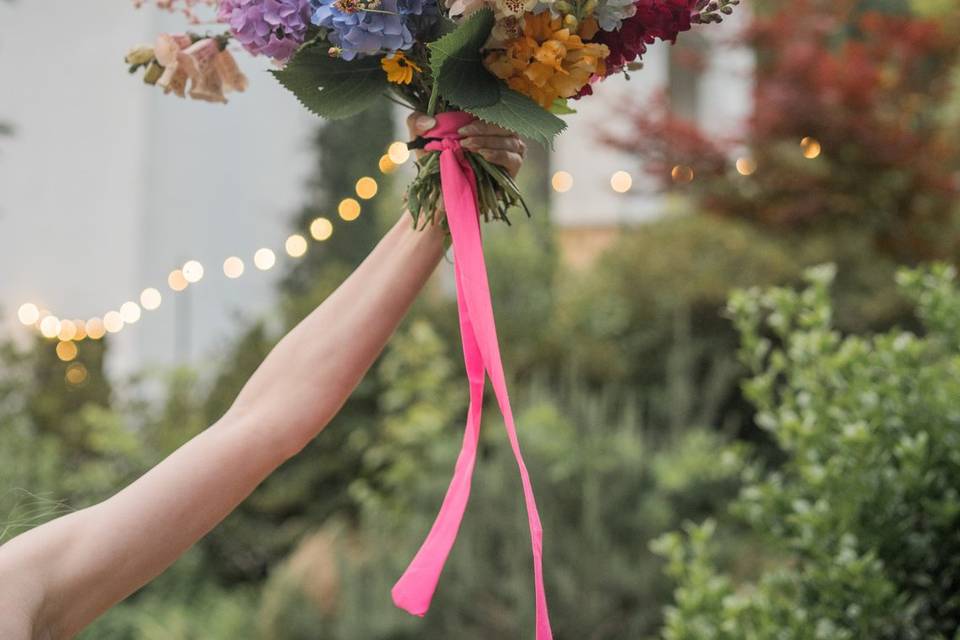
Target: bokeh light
{"type": "Point", "coordinates": [81, 333]}
{"type": "Point", "coordinates": [28, 313]}
{"type": "Point", "coordinates": [296, 245]}
{"type": "Point", "coordinates": [321, 229]}
{"type": "Point", "coordinates": [233, 267]}
{"type": "Point", "coordinates": [176, 280]}
{"type": "Point", "coordinates": [113, 321]}
{"type": "Point", "coordinates": [367, 188]}
{"type": "Point", "coordinates": [192, 271]}
{"type": "Point", "coordinates": [66, 350]}
{"type": "Point", "coordinates": [621, 181]}
{"type": "Point", "coordinates": [50, 327]}
{"type": "Point", "coordinates": [68, 330]}
{"type": "Point", "coordinates": [682, 174]}
{"type": "Point", "coordinates": [264, 259]}
{"type": "Point", "coordinates": [746, 166]}
{"type": "Point", "coordinates": [562, 181]}
{"type": "Point", "coordinates": [76, 374]}
{"type": "Point", "coordinates": [130, 312]}
{"type": "Point", "coordinates": [386, 164]}
{"type": "Point", "coordinates": [349, 209]}
{"type": "Point", "coordinates": [95, 328]}
{"type": "Point", "coordinates": [811, 148]}
{"type": "Point", "coordinates": [150, 299]}
{"type": "Point", "coordinates": [398, 153]}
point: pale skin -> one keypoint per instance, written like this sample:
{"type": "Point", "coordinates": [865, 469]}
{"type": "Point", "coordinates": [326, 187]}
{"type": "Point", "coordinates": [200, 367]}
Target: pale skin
{"type": "Point", "coordinates": [58, 578]}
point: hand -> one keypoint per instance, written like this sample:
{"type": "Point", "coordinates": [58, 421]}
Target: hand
{"type": "Point", "coordinates": [493, 143]}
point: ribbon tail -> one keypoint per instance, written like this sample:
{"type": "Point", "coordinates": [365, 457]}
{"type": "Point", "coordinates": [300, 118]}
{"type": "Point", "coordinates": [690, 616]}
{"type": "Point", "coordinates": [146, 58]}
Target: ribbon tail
{"type": "Point", "coordinates": [474, 290]}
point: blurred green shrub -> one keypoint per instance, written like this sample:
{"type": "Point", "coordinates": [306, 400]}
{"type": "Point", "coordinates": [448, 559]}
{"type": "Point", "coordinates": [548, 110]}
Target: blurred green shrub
{"type": "Point", "coordinates": [863, 515]}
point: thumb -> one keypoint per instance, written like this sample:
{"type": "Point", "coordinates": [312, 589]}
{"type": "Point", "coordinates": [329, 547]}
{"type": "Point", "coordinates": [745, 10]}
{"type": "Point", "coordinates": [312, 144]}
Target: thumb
{"type": "Point", "coordinates": [420, 123]}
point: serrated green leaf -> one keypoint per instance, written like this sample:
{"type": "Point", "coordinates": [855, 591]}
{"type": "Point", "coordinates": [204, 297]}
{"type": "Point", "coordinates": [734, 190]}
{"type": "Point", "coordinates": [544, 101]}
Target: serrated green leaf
{"type": "Point", "coordinates": [457, 64]}
{"type": "Point", "coordinates": [330, 87]}
{"type": "Point", "coordinates": [561, 107]}
{"type": "Point", "coordinates": [522, 115]}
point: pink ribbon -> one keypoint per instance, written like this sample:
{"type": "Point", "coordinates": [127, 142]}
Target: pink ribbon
{"type": "Point", "coordinates": [481, 353]}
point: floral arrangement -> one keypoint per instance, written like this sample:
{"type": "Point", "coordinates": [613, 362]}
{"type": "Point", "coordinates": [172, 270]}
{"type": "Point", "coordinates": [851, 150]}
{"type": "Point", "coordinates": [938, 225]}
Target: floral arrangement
{"type": "Point", "coordinates": [514, 63]}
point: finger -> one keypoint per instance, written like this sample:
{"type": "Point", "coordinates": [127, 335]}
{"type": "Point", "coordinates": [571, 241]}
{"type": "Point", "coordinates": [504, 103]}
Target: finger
{"type": "Point", "coordinates": [420, 123]}
{"type": "Point", "coordinates": [475, 143]}
{"type": "Point", "coordinates": [507, 159]}
{"type": "Point", "coordinates": [479, 128]}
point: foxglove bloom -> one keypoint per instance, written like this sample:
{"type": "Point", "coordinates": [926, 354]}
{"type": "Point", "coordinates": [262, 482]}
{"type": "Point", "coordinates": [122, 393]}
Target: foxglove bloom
{"type": "Point", "coordinates": [359, 27]}
{"type": "Point", "coordinates": [274, 28]}
{"type": "Point", "coordinates": [610, 14]}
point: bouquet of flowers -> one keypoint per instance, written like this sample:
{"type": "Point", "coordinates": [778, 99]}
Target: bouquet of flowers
{"type": "Point", "coordinates": [513, 63]}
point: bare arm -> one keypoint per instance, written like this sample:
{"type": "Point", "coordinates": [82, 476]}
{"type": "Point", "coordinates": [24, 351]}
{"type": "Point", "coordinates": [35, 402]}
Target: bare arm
{"type": "Point", "coordinates": [57, 578]}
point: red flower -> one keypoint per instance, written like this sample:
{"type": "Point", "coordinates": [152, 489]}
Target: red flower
{"type": "Point", "coordinates": [655, 19]}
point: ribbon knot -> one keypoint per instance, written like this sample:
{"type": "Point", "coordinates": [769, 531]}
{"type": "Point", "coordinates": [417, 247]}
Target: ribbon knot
{"type": "Point", "coordinates": [481, 354]}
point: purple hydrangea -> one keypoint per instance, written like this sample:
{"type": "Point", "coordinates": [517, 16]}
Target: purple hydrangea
{"type": "Point", "coordinates": [368, 27]}
{"type": "Point", "coordinates": [272, 28]}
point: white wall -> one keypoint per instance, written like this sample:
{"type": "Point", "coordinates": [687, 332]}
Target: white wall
{"type": "Point", "coordinates": [108, 185]}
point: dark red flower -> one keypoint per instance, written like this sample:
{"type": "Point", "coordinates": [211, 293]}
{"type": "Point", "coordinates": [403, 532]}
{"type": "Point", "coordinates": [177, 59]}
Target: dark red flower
{"type": "Point", "coordinates": [655, 19]}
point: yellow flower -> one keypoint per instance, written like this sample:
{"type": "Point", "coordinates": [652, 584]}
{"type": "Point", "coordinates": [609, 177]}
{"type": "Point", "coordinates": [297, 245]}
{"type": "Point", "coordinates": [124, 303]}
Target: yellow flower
{"type": "Point", "coordinates": [548, 61]}
{"type": "Point", "coordinates": [399, 68]}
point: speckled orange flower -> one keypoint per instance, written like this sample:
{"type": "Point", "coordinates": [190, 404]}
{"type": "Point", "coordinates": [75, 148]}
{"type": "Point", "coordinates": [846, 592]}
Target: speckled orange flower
{"type": "Point", "coordinates": [548, 61]}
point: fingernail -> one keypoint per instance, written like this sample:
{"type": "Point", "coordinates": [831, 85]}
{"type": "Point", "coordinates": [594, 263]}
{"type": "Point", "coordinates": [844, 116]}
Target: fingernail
{"type": "Point", "coordinates": [425, 123]}
{"type": "Point", "coordinates": [469, 143]}
{"type": "Point", "coordinates": [466, 130]}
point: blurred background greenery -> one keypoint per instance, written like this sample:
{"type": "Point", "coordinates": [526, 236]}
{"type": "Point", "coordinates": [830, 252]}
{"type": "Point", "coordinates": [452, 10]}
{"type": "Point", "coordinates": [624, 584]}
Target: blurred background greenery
{"type": "Point", "coordinates": [787, 467]}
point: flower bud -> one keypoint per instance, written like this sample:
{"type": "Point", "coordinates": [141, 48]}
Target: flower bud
{"type": "Point", "coordinates": [139, 55]}
{"type": "Point", "coordinates": [153, 73]}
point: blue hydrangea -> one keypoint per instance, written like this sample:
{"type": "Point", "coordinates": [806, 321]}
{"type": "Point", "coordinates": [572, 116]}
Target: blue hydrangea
{"type": "Point", "coordinates": [392, 26]}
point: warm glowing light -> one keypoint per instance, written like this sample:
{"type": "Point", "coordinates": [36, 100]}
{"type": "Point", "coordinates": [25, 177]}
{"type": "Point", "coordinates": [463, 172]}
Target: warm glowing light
{"type": "Point", "coordinates": [621, 181]}
{"type": "Point", "coordinates": [398, 152]}
{"type": "Point", "coordinates": [112, 321]}
{"type": "Point", "coordinates": [95, 328]}
{"type": "Point", "coordinates": [367, 187]}
{"type": "Point", "coordinates": [50, 327]}
{"type": "Point", "coordinates": [264, 259]}
{"type": "Point", "coordinates": [76, 374]}
{"type": "Point", "coordinates": [321, 229]}
{"type": "Point", "coordinates": [296, 245]}
{"type": "Point", "coordinates": [81, 330]}
{"type": "Point", "coordinates": [746, 166]}
{"type": "Point", "coordinates": [130, 312]}
{"type": "Point", "coordinates": [387, 165]}
{"type": "Point", "coordinates": [811, 148]}
{"type": "Point", "coordinates": [562, 182]}
{"type": "Point", "coordinates": [28, 313]}
{"type": "Point", "coordinates": [349, 209]}
{"type": "Point", "coordinates": [192, 271]}
{"type": "Point", "coordinates": [150, 298]}
{"type": "Point", "coordinates": [176, 280]}
{"type": "Point", "coordinates": [233, 267]}
{"type": "Point", "coordinates": [66, 351]}
{"type": "Point", "coordinates": [68, 330]}
{"type": "Point", "coordinates": [682, 174]}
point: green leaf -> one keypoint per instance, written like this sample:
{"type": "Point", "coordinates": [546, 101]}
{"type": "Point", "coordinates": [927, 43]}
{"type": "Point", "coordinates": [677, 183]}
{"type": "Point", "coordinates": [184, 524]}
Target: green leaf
{"type": "Point", "coordinates": [457, 64]}
{"type": "Point", "coordinates": [331, 87]}
{"type": "Point", "coordinates": [522, 115]}
{"type": "Point", "coordinates": [561, 107]}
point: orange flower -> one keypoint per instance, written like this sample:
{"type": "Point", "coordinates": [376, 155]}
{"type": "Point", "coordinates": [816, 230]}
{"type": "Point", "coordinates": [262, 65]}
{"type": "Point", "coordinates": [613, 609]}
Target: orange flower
{"type": "Point", "coordinates": [547, 61]}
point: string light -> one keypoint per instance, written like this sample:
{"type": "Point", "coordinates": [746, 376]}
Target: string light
{"type": "Point", "coordinates": [28, 313]}
{"type": "Point", "coordinates": [561, 181]}
{"type": "Point", "coordinates": [112, 321]}
{"type": "Point", "coordinates": [68, 330]}
{"type": "Point", "coordinates": [95, 328]}
{"type": "Point", "coordinates": [682, 174]}
{"type": "Point", "coordinates": [811, 148]}
{"type": "Point", "coordinates": [66, 350]}
{"type": "Point", "coordinates": [367, 188]}
{"type": "Point", "coordinates": [621, 181]}
{"type": "Point", "coordinates": [130, 312]}
{"type": "Point", "coordinates": [192, 271]}
{"type": "Point", "coordinates": [50, 327]}
{"type": "Point", "coordinates": [296, 245]}
{"type": "Point", "coordinates": [321, 229]}
{"type": "Point", "coordinates": [76, 374]}
{"type": "Point", "coordinates": [398, 153]}
{"type": "Point", "coordinates": [177, 281]}
{"type": "Point", "coordinates": [746, 166]}
{"type": "Point", "coordinates": [264, 259]}
{"type": "Point", "coordinates": [233, 267]}
{"type": "Point", "coordinates": [349, 209]}
{"type": "Point", "coordinates": [386, 164]}
{"type": "Point", "coordinates": [150, 299]}
{"type": "Point", "coordinates": [81, 330]}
